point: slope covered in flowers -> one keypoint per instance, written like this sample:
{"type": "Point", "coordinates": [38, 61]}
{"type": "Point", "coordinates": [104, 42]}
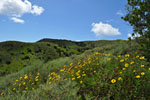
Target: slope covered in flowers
{"type": "Point", "coordinates": [98, 76]}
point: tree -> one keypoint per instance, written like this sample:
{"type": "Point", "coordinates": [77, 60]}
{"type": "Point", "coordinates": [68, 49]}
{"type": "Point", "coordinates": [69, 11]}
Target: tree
{"type": "Point", "coordinates": [138, 15]}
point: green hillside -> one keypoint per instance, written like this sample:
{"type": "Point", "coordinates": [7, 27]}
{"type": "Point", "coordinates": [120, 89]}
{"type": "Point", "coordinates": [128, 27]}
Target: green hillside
{"type": "Point", "coordinates": [15, 56]}
{"type": "Point", "coordinates": [68, 70]}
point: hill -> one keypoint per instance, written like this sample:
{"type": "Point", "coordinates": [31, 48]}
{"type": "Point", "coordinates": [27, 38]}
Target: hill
{"type": "Point", "coordinates": [15, 55]}
{"type": "Point", "coordinates": [108, 70]}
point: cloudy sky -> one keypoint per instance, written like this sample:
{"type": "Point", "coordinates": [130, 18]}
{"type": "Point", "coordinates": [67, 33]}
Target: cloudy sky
{"type": "Point", "coordinates": [77, 20]}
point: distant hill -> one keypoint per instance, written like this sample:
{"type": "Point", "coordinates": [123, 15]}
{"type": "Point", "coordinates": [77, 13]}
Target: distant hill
{"type": "Point", "coordinates": [61, 42]}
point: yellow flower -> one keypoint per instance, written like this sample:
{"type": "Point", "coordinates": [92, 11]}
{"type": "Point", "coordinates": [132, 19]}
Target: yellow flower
{"type": "Point", "coordinates": [79, 62]}
{"type": "Point", "coordinates": [122, 60]}
{"type": "Point", "coordinates": [24, 83]}
{"type": "Point", "coordinates": [81, 82]}
{"type": "Point", "coordinates": [52, 73]}
{"type": "Point", "coordinates": [78, 76]}
{"type": "Point", "coordinates": [61, 70]}
{"type": "Point", "coordinates": [50, 78]}
{"type": "Point", "coordinates": [126, 58]}
{"type": "Point", "coordinates": [132, 62]}
{"type": "Point", "coordinates": [126, 65]}
{"type": "Point", "coordinates": [73, 78]}
{"type": "Point", "coordinates": [119, 56]}
{"type": "Point", "coordinates": [26, 76]}
{"type": "Point", "coordinates": [37, 76]}
{"type": "Point", "coordinates": [72, 72]}
{"type": "Point", "coordinates": [16, 80]}
{"type": "Point", "coordinates": [134, 71]}
{"type": "Point", "coordinates": [113, 81]}
{"type": "Point", "coordinates": [20, 78]}
{"type": "Point", "coordinates": [64, 65]}
{"type": "Point", "coordinates": [142, 57]}
{"type": "Point", "coordinates": [71, 64]}
{"type": "Point", "coordinates": [36, 79]}
{"type": "Point", "coordinates": [77, 73]}
{"type": "Point", "coordinates": [19, 84]}
{"type": "Point", "coordinates": [97, 53]}
{"type": "Point", "coordinates": [38, 73]}
{"type": "Point", "coordinates": [138, 76]}
{"type": "Point", "coordinates": [94, 71]}
{"type": "Point", "coordinates": [89, 62]}
{"type": "Point", "coordinates": [89, 58]}
{"type": "Point", "coordinates": [120, 72]}
{"type": "Point", "coordinates": [2, 93]}
{"type": "Point", "coordinates": [142, 73]}
{"type": "Point", "coordinates": [26, 88]}
{"type": "Point", "coordinates": [148, 68]}
{"type": "Point", "coordinates": [120, 78]}
{"type": "Point", "coordinates": [14, 89]}
{"type": "Point", "coordinates": [49, 83]}
{"type": "Point", "coordinates": [142, 65]}
{"type": "Point", "coordinates": [83, 74]}
{"type": "Point", "coordinates": [123, 68]}
{"type": "Point", "coordinates": [127, 55]}
{"type": "Point", "coordinates": [108, 59]}
{"type": "Point", "coordinates": [137, 56]}
{"type": "Point", "coordinates": [76, 67]}
{"type": "Point", "coordinates": [105, 54]}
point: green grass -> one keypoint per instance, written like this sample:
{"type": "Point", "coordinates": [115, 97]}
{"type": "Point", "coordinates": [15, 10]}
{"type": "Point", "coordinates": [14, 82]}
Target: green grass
{"type": "Point", "coordinates": [88, 76]}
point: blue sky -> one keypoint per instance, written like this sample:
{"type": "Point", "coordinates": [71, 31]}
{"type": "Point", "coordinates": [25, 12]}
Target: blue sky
{"type": "Point", "coordinates": [76, 20]}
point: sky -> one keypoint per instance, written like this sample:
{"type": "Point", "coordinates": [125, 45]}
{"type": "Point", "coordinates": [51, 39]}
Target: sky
{"type": "Point", "coordinates": [76, 20]}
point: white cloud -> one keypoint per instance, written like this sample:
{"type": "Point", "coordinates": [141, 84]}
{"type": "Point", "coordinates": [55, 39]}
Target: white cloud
{"type": "Point", "coordinates": [132, 37]}
{"type": "Point", "coordinates": [104, 29]}
{"type": "Point", "coordinates": [37, 10]}
{"type": "Point", "coordinates": [129, 35]}
{"type": "Point", "coordinates": [17, 20]}
{"type": "Point", "coordinates": [16, 8]}
{"type": "Point", "coordinates": [120, 13]}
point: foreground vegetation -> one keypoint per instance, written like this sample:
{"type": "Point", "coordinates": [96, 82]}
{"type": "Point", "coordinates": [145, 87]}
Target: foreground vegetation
{"type": "Point", "coordinates": [110, 72]}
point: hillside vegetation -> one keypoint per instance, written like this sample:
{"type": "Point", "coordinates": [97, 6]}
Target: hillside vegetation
{"type": "Point", "coordinates": [96, 70]}
{"type": "Point", "coordinates": [15, 56]}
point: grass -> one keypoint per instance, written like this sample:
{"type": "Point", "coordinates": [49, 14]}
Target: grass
{"type": "Point", "coordinates": [109, 72]}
